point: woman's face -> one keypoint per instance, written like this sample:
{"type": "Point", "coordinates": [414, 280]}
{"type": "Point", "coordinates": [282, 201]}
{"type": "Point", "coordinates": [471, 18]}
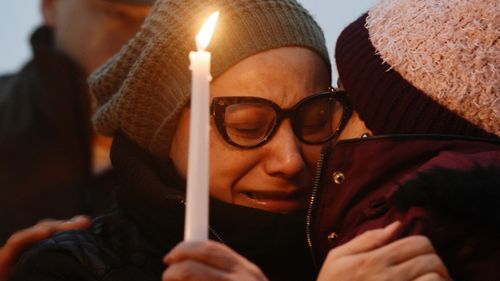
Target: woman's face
{"type": "Point", "coordinates": [278, 175]}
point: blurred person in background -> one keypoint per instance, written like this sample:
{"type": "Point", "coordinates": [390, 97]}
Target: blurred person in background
{"type": "Point", "coordinates": [49, 155]}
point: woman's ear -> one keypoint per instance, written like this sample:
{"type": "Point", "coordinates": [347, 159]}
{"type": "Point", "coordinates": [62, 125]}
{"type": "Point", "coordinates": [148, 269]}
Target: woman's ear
{"type": "Point", "coordinates": [49, 12]}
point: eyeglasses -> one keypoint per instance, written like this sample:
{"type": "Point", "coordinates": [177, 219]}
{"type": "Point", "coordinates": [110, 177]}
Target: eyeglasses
{"type": "Point", "coordinates": [249, 122]}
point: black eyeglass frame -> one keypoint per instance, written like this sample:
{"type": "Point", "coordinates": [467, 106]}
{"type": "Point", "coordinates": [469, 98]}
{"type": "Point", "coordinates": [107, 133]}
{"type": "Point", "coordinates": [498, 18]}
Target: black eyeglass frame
{"type": "Point", "coordinates": [219, 104]}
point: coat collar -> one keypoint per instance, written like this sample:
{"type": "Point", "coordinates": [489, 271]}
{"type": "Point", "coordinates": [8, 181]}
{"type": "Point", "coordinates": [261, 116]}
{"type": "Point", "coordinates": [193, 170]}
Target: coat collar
{"type": "Point", "coordinates": [152, 194]}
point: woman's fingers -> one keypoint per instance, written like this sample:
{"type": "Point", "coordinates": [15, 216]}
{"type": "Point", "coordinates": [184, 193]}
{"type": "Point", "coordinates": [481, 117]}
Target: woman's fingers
{"type": "Point", "coordinates": [414, 256]}
{"type": "Point", "coordinates": [198, 259]}
{"type": "Point", "coordinates": [405, 249]}
{"type": "Point", "coordinates": [423, 265]}
{"type": "Point", "coordinates": [432, 277]}
{"type": "Point", "coordinates": [189, 270]}
{"type": "Point", "coordinates": [367, 241]}
{"type": "Point", "coordinates": [367, 258]}
{"type": "Point", "coordinates": [207, 252]}
{"type": "Point", "coordinates": [49, 227]}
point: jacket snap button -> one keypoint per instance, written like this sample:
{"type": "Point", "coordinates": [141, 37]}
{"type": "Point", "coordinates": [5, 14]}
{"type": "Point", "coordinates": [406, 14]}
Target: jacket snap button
{"type": "Point", "coordinates": [338, 177]}
{"type": "Point", "coordinates": [332, 236]}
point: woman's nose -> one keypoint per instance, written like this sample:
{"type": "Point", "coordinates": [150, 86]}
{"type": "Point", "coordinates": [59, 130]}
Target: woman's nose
{"type": "Point", "coordinates": [284, 156]}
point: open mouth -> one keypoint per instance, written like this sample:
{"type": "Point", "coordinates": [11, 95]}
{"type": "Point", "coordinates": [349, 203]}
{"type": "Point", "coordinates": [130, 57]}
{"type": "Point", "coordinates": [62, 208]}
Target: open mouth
{"type": "Point", "coordinates": [281, 202]}
{"type": "Point", "coordinates": [273, 195]}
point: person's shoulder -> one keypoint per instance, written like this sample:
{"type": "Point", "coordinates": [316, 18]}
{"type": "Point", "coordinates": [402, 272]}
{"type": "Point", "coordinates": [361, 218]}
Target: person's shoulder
{"type": "Point", "coordinates": [6, 77]}
{"type": "Point", "coordinates": [89, 253]}
{"type": "Point", "coordinates": [71, 254]}
{"type": "Point", "coordinates": [6, 84]}
{"type": "Point", "coordinates": [16, 86]}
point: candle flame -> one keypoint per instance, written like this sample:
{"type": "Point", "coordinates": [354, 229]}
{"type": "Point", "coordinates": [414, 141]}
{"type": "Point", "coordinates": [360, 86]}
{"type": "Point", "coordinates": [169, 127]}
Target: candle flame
{"type": "Point", "coordinates": [205, 34]}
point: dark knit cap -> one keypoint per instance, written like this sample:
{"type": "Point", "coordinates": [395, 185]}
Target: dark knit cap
{"type": "Point", "coordinates": [389, 104]}
{"type": "Point", "coordinates": [142, 90]}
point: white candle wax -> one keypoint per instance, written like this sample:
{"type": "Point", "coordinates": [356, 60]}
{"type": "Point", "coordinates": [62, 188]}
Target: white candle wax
{"type": "Point", "coordinates": [196, 224]}
{"type": "Point", "coordinates": [197, 193]}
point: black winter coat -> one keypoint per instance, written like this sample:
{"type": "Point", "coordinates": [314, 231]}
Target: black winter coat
{"type": "Point", "coordinates": [45, 141]}
{"type": "Point", "coordinates": [129, 242]}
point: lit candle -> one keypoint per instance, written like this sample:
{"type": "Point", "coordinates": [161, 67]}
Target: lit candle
{"type": "Point", "coordinates": [197, 194]}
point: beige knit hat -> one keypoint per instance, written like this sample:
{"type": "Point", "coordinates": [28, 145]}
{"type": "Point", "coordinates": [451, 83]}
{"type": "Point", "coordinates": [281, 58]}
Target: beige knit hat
{"type": "Point", "coordinates": [425, 66]}
{"type": "Point", "coordinates": [142, 90]}
{"type": "Point", "coordinates": [453, 54]}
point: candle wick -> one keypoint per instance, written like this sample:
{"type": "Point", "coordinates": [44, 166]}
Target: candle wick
{"type": "Point", "coordinates": [199, 46]}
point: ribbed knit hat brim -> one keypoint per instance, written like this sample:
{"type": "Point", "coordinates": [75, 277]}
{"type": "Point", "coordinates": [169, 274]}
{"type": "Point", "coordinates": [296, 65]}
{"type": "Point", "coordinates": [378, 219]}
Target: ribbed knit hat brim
{"type": "Point", "coordinates": [385, 100]}
{"type": "Point", "coordinates": [143, 89]}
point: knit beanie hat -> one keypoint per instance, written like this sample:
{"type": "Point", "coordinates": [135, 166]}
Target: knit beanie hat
{"type": "Point", "coordinates": [142, 90]}
{"type": "Point", "coordinates": [424, 66]}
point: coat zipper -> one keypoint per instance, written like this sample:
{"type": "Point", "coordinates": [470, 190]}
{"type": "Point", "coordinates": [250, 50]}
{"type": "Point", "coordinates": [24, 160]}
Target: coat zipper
{"type": "Point", "coordinates": [216, 235]}
{"type": "Point", "coordinates": [210, 228]}
{"type": "Point", "coordinates": [312, 201]}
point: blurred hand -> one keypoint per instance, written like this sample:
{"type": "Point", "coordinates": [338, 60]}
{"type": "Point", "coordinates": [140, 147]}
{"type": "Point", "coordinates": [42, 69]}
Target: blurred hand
{"type": "Point", "coordinates": [208, 260]}
{"type": "Point", "coordinates": [366, 257]}
{"type": "Point", "coordinates": [23, 239]}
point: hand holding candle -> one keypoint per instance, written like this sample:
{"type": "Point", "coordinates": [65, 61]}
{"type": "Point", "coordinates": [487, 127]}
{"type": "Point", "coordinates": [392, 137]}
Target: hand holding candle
{"type": "Point", "coordinates": [197, 194]}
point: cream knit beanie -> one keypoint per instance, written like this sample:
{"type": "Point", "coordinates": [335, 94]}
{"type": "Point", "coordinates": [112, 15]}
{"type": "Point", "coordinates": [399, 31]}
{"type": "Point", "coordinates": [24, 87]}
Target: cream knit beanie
{"type": "Point", "coordinates": [428, 66]}
{"type": "Point", "coordinates": [142, 90]}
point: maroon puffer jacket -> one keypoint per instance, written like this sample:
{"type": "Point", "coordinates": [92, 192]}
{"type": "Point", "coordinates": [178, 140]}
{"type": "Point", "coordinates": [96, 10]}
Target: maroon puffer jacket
{"type": "Point", "coordinates": [444, 187]}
